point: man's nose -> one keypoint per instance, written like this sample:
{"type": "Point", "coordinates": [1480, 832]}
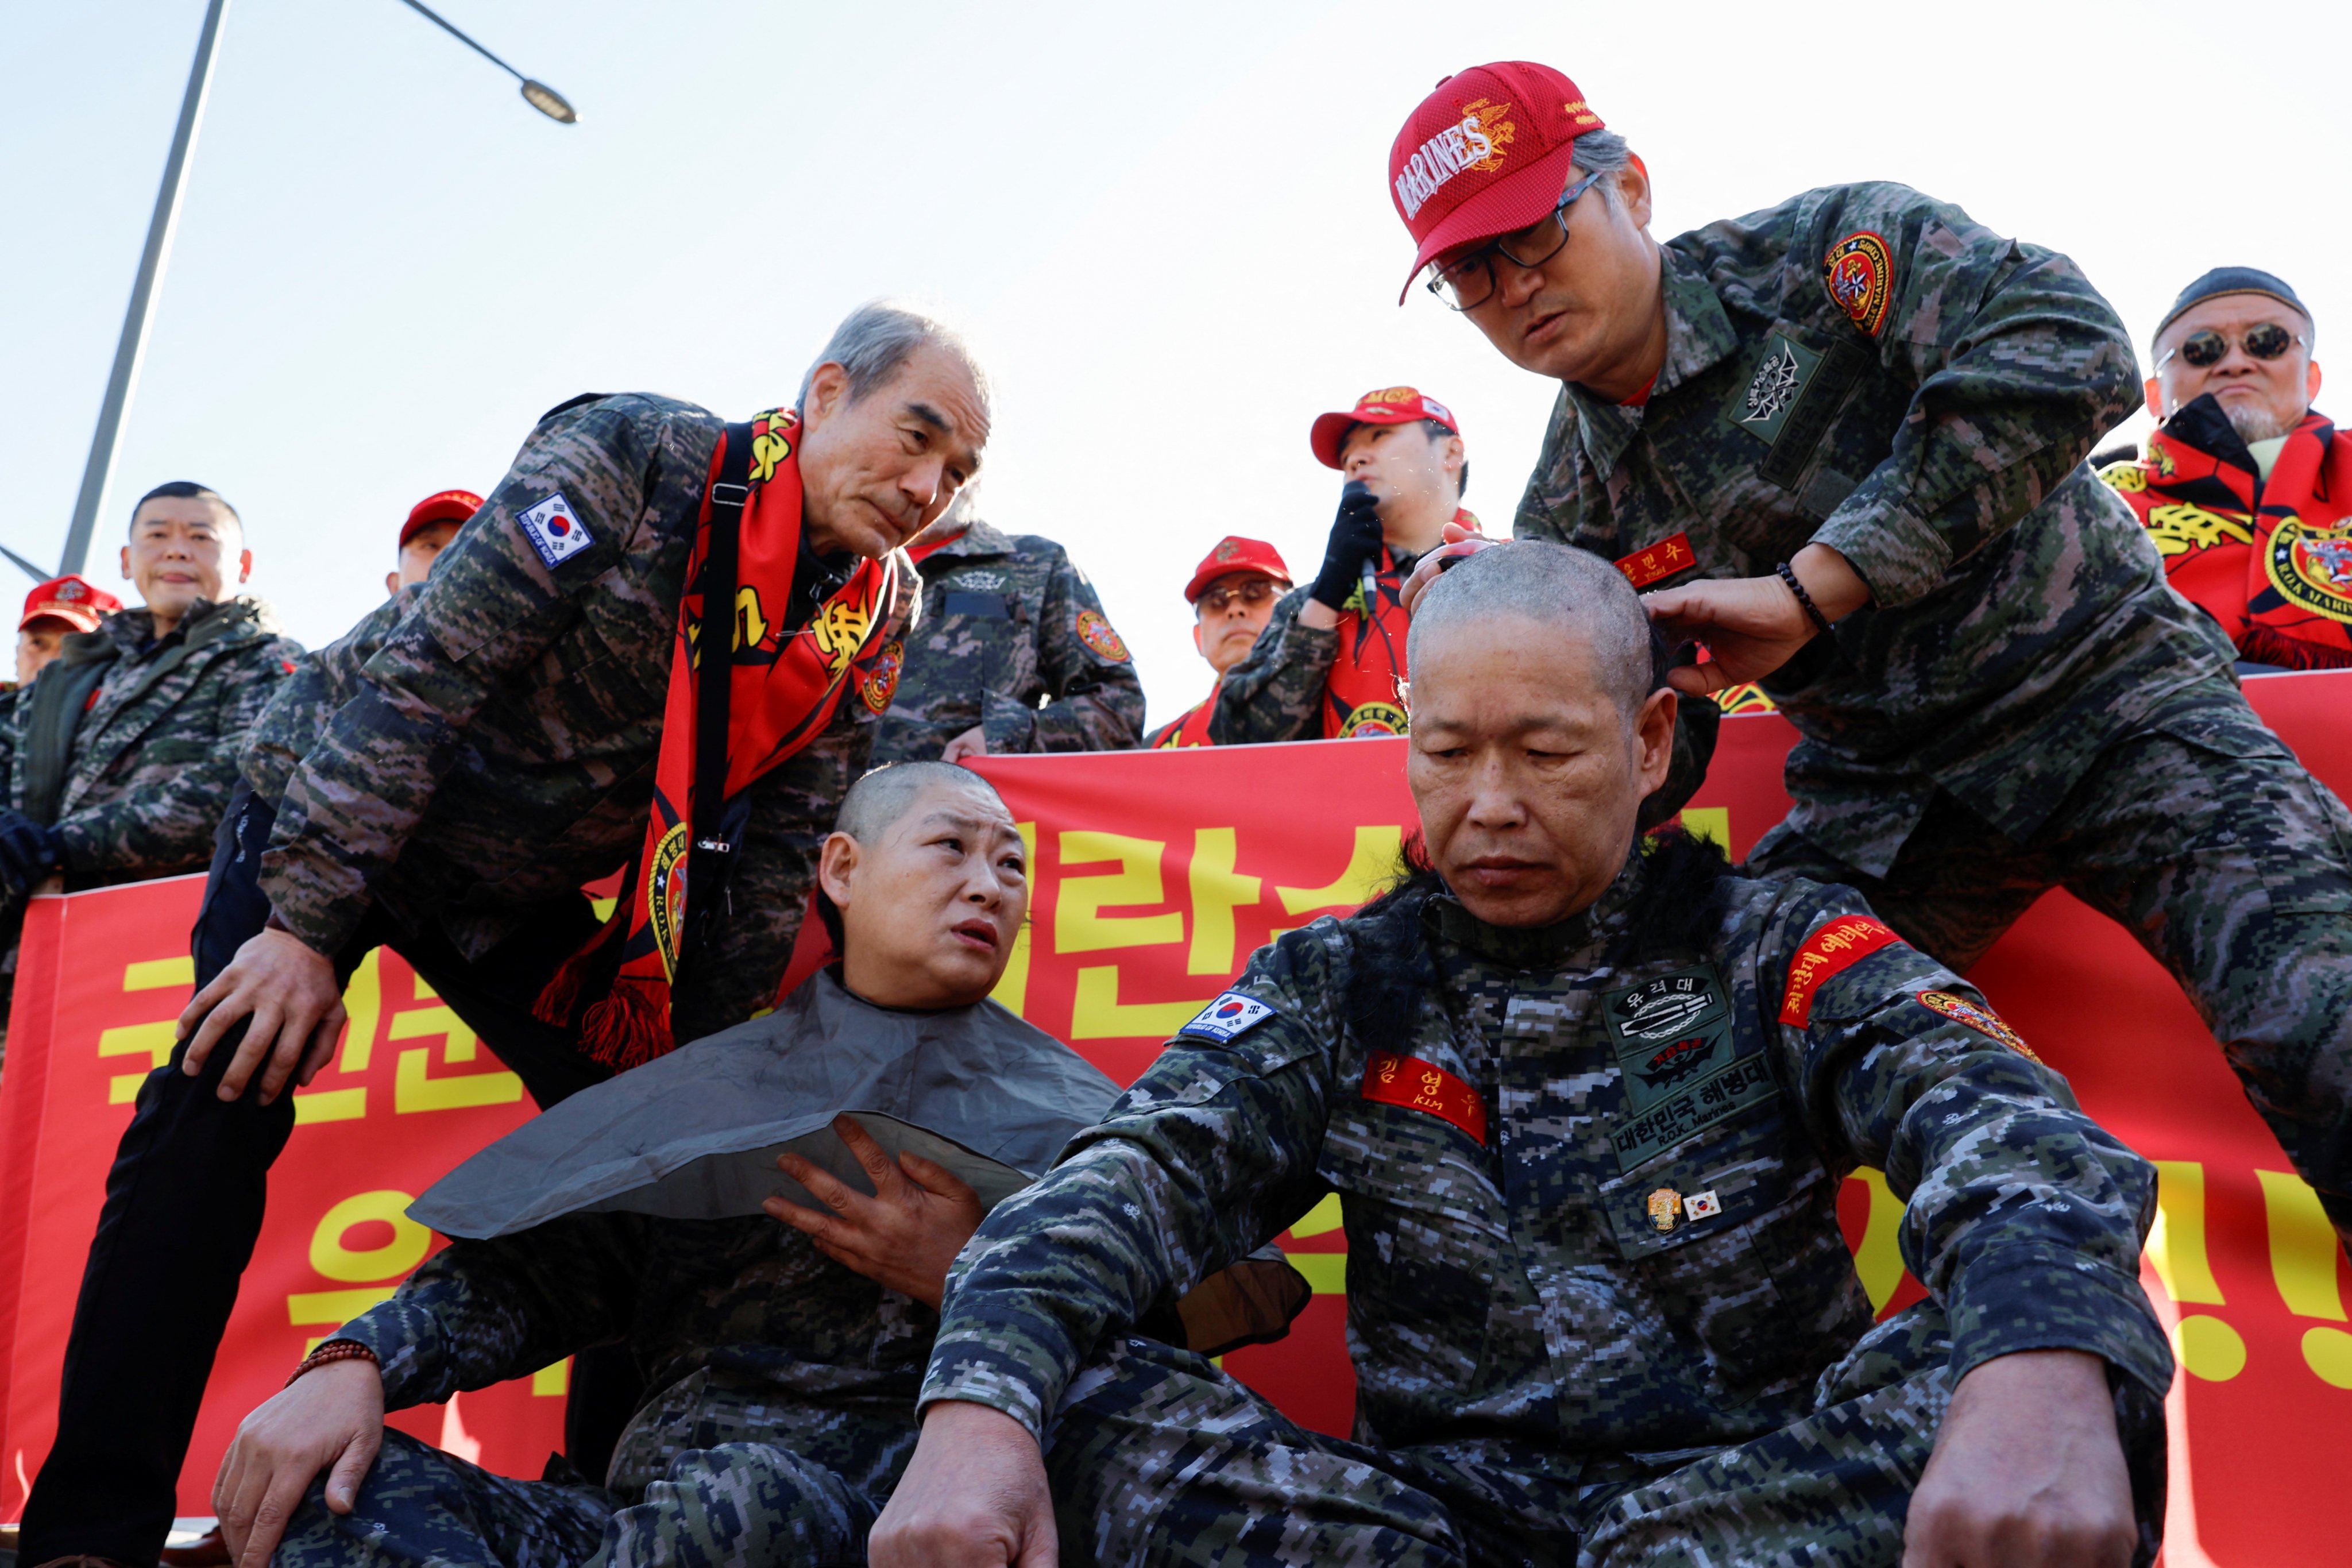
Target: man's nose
{"type": "Point", "coordinates": [1516, 285]}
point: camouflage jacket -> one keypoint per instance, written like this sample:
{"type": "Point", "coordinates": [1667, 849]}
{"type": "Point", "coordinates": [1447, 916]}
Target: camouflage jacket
{"type": "Point", "coordinates": [1589, 1174]}
{"type": "Point", "coordinates": [1926, 415]}
{"type": "Point", "coordinates": [489, 742]}
{"type": "Point", "coordinates": [749, 1304]}
{"type": "Point", "coordinates": [127, 742]}
{"type": "Point", "coordinates": [1014, 641]}
{"type": "Point", "coordinates": [1275, 692]}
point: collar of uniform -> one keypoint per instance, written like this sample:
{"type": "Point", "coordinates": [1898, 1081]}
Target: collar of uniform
{"type": "Point", "coordinates": [977, 539]}
{"type": "Point", "coordinates": [1698, 335]}
{"type": "Point", "coordinates": [1534, 947]}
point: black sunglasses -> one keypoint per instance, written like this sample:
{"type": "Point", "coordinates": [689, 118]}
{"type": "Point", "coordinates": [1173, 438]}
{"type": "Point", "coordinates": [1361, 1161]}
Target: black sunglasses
{"type": "Point", "coordinates": [2204, 348]}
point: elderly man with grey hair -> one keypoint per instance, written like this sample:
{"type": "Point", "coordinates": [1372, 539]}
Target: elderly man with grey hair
{"type": "Point", "coordinates": [445, 779]}
{"type": "Point", "coordinates": [1587, 1101]}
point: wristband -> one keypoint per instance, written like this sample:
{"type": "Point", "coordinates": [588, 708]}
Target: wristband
{"type": "Point", "coordinates": [1804, 600]}
{"type": "Point", "coordinates": [334, 1351]}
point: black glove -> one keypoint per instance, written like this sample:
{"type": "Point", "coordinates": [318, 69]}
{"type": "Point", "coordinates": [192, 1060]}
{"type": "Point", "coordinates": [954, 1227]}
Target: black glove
{"type": "Point", "coordinates": [28, 852]}
{"type": "Point", "coordinates": [1355, 541]}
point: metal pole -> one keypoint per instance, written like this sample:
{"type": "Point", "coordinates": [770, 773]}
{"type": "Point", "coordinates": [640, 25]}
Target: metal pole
{"type": "Point", "coordinates": [134, 346]}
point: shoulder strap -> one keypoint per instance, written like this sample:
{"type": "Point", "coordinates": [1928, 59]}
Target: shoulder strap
{"type": "Point", "coordinates": [52, 714]}
{"type": "Point", "coordinates": [713, 850]}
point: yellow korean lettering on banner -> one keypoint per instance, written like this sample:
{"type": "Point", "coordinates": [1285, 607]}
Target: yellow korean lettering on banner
{"type": "Point", "coordinates": [414, 1084]}
{"type": "Point", "coordinates": [1079, 924]}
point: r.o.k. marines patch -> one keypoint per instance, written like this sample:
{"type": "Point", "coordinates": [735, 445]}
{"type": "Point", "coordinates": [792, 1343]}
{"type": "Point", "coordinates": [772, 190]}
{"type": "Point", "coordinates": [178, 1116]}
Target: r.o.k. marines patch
{"type": "Point", "coordinates": [1859, 271]}
{"type": "Point", "coordinates": [1983, 1020]}
{"type": "Point", "coordinates": [1681, 1061]}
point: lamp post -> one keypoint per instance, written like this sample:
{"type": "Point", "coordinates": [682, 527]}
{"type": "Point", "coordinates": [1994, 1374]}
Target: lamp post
{"type": "Point", "coordinates": [132, 347]}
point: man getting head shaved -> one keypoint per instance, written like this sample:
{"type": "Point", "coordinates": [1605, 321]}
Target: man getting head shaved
{"type": "Point", "coordinates": [1587, 1099]}
{"type": "Point", "coordinates": [781, 1359]}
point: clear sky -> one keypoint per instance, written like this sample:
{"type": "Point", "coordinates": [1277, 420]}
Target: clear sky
{"type": "Point", "coordinates": [1167, 227]}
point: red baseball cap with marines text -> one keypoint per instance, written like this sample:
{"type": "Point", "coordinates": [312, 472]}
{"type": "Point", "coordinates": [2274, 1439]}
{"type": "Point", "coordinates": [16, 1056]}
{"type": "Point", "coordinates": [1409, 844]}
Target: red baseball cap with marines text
{"type": "Point", "coordinates": [1382, 405]}
{"type": "Point", "coordinates": [1486, 154]}
{"type": "Point", "coordinates": [80, 605]}
{"type": "Point", "coordinates": [1233, 553]}
{"type": "Point", "coordinates": [443, 506]}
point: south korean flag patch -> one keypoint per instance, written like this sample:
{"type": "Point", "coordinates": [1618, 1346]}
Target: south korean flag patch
{"type": "Point", "coordinates": [554, 530]}
{"type": "Point", "coordinates": [1226, 1017]}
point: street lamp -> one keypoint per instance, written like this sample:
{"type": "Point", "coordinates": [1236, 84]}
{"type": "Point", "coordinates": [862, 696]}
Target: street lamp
{"type": "Point", "coordinates": [132, 348]}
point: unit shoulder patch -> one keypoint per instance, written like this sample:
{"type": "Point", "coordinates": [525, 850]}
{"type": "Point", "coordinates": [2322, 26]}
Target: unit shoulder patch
{"type": "Point", "coordinates": [1094, 631]}
{"type": "Point", "coordinates": [1982, 1019]}
{"type": "Point", "coordinates": [1859, 270]}
{"type": "Point", "coordinates": [1227, 1017]}
{"type": "Point", "coordinates": [554, 530]}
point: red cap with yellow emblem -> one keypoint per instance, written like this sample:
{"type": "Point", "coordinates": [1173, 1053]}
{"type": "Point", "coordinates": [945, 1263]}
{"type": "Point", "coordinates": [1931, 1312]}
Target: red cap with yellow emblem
{"type": "Point", "coordinates": [1486, 154]}
{"type": "Point", "coordinates": [1233, 553]}
{"type": "Point", "coordinates": [79, 604]}
{"type": "Point", "coordinates": [1381, 406]}
{"type": "Point", "coordinates": [442, 506]}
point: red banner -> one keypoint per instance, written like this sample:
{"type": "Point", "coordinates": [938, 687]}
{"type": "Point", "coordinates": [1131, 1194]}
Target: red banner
{"type": "Point", "coordinates": [1155, 874]}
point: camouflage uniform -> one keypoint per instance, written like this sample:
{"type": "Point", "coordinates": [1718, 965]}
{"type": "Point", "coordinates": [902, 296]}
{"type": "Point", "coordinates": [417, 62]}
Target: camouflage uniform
{"type": "Point", "coordinates": [783, 1418]}
{"type": "Point", "coordinates": [1988, 726]}
{"type": "Point", "coordinates": [131, 753]}
{"type": "Point", "coordinates": [1015, 641]}
{"type": "Point", "coordinates": [1275, 692]}
{"type": "Point", "coordinates": [1546, 1372]}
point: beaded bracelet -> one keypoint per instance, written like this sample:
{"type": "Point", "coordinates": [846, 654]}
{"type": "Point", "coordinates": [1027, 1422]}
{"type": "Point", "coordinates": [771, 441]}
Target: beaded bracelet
{"type": "Point", "coordinates": [1804, 600]}
{"type": "Point", "coordinates": [333, 1350]}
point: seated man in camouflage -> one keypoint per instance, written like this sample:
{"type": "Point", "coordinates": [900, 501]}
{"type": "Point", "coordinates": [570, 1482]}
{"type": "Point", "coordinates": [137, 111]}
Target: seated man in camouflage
{"type": "Point", "coordinates": [1587, 1103]}
{"type": "Point", "coordinates": [780, 1406]}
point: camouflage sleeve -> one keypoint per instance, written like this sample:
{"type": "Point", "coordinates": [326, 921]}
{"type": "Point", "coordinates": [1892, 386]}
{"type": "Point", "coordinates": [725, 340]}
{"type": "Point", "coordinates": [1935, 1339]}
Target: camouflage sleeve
{"type": "Point", "coordinates": [479, 1312]}
{"type": "Point", "coordinates": [1212, 1154]}
{"type": "Point", "coordinates": [1097, 698]}
{"type": "Point", "coordinates": [491, 608]}
{"type": "Point", "coordinates": [167, 828]}
{"type": "Point", "coordinates": [301, 705]}
{"type": "Point", "coordinates": [1550, 508]}
{"type": "Point", "coordinates": [1276, 692]}
{"type": "Point", "coordinates": [2025, 1217]}
{"type": "Point", "coordinates": [2018, 365]}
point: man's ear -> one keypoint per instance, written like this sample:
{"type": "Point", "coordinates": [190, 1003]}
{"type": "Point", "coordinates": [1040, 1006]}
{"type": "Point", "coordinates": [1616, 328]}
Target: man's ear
{"type": "Point", "coordinates": [391, 584]}
{"type": "Point", "coordinates": [245, 566]}
{"type": "Point", "coordinates": [1451, 460]}
{"type": "Point", "coordinates": [2153, 390]}
{"type": "Point", "coordinates": [126, 563]}
{"type": "Point", "coordinates": [1653, 727]}
{"type": "Point", "coordinates": [1633, 186]}
{"type": "Point", "coordinates": [2311, 382]}
{"type": "Point", "coordinates": [828, 390]}
{"type": "Point", "coordinates": [1196, 636]}
{"type": "Point", "coordinates": [836, 867]}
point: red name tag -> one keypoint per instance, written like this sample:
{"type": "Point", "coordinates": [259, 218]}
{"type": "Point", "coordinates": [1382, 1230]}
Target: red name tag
{"type": "Point", "coordinates": [1644, 567]}
{"type": "Point", "coordinates": [1392, 1079]}
{"type": "Point", "coordinates": [1835, 946]}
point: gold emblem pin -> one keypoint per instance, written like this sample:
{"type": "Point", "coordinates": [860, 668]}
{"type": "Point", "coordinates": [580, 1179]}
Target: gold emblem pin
{"type": "Point", "coordinates": [1665, 1204]}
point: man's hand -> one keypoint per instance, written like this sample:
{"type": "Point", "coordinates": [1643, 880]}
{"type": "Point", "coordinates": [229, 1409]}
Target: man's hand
{"type": "Point", "coordinates": [28, 853]}
{"type": "Point", "coordinates": [1354, 544]}
{"type": "Point", "coordinates": [904, 1237]}
{"type": "Point", "coordinates": [330, 1417]}
{"type": "Point", "coordinates": [974, 1496]}
{"type": "Point", "coordinates": [1753, 626]}
{"type": "Point", "coordinates": [287, 989]}
{"type": "Point", "coordinates": [1460, 541]}
{"type": "Point", "coordinates": [2027, 1472]}
{"type": "Point", "coordinates": [972, 742]}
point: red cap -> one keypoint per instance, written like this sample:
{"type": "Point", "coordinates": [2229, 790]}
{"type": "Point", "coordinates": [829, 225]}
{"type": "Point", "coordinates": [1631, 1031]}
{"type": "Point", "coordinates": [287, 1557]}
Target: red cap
{"type": "Point", "coordinates": [72, 600]}
{"type": "Point", "coordinates": [443, 505]}
{"type": "Point", "coordinates": [1486, 154]}
{"type": "Point", "coordinates": [1233, 553]}
{"type": "Point", "coordinates": [1386, 405]}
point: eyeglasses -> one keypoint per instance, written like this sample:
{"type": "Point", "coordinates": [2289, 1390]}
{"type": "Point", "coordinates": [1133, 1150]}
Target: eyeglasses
{"type": "Point", "coordinates": [1254, 593]}
{"type": "Point", "coordinates": [1470, 282]}
{"type": "Point", "coordinates": [2204, 349]}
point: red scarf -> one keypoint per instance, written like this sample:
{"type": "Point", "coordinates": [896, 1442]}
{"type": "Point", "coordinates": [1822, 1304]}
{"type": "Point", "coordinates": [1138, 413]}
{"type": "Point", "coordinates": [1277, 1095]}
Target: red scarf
{"type": "Point", "coordinates": [1192, 728]}
{"type": "Point", "coordinates": [783, 686]}
{"type": "Point", "coordinates": [2271, 559]}
{"type": "Point", "coordinates": [1364, 695]}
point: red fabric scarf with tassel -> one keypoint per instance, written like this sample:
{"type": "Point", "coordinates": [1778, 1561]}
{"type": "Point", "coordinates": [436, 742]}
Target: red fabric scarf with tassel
{"type": "Point", "coordinates": [784, 684]}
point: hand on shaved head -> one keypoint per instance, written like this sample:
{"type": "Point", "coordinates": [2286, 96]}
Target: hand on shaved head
{"type": "Point", "coordinates": [1538, 728]}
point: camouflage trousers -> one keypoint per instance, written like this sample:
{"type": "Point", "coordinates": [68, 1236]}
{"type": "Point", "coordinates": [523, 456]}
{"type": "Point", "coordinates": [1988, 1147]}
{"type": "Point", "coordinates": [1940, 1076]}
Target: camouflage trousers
{"type": "Point", "coordinates": [735, 1483]}
{"type": "Point", "coordinates": [1157, 1457]}
{"type": "Point", "coordinates": [2206, 839]}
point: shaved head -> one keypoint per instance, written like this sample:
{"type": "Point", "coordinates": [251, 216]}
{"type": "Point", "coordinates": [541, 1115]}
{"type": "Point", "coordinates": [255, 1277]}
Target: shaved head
{"type": "Point", "coordinates": [876, 802]}
{"type": "Point", "coordinates": [1573, 591]}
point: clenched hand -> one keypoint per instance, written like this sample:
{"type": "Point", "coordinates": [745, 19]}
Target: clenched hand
{"type": "Point", "coordinates": [974, 1496]}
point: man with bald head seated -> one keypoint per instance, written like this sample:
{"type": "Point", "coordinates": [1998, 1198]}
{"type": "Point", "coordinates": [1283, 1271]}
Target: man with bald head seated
{"type": "Point", "coordinates": [781, 1359]}
{"type": "Point", "coordinates": [1587, 1099]}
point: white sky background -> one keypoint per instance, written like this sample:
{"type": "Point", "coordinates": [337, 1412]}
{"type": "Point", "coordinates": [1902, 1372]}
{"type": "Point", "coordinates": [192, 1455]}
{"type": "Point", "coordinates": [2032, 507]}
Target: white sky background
{"type": "Point", "coordinates": [1167, 227]}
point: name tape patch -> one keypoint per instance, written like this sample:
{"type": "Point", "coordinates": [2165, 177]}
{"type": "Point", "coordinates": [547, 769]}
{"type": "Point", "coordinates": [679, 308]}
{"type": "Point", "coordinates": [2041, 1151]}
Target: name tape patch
{"type": "Point", "coordinates": [1417, 1085]}
{"type": "Point", "coordinates": [554, 530]}
{"type": "Point", "coordinates": [1842, 942]}
{"type": "Point", "coordinates": [1660, 561]}
{"type": "Point", "coordinates": [1226, 1017]}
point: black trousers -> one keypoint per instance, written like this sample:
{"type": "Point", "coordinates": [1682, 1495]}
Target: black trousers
{"type": "Point", "coordinates": [184, 1206]}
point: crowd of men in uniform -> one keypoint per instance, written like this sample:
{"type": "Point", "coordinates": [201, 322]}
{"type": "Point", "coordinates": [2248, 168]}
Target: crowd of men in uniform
{"type": "Point", "coordinates": [1829, 456]}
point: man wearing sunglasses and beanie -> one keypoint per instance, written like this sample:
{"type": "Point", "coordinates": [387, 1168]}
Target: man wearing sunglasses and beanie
{"type": "Point", "coordinates": [2244, 489]}
{"type": "Point", "coordinates": [1232, 594]}
{"type": "Point", "coordinates": [1840, 442]}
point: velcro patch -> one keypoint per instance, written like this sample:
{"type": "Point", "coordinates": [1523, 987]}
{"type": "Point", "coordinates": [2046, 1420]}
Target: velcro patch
{"type": "Point", "coordinates": [1659, 561]}
{"type": "Point", "coordinates": [1417, 1085]}
{"type": "Point", "coordinates": [554, 530]}
{"type": "Point", "coordinates": [1836, 946]}
{"type": "Point", "coordinates": [1226, 1017]}
{"type": "Point", "coordinates": [1860, 274]}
